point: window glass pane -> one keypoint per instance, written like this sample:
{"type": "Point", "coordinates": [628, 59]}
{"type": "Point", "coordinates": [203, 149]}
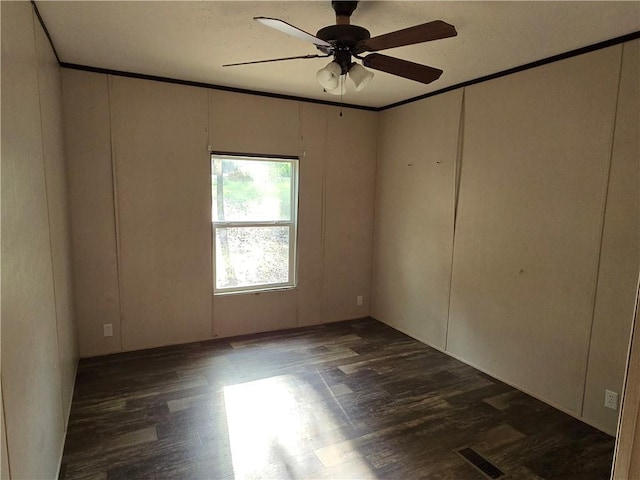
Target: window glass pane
{"type": "Point", "coordinates": [248, 256]}
{"type": "Point", "coordinates": [250, 191]}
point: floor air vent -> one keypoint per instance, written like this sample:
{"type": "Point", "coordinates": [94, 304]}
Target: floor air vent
{"type": "Point", "coordinates": [480, 463]}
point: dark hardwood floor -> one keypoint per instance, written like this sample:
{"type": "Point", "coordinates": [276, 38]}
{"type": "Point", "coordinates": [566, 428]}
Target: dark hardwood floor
{"type": "Point", "coordinates": [355, 399]}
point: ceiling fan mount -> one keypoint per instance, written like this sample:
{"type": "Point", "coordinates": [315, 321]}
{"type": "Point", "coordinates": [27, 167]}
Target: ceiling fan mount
{"type": "Point", "coordinates": [343, 10]}
{"type": "Point", "coordinates": [344, 41]}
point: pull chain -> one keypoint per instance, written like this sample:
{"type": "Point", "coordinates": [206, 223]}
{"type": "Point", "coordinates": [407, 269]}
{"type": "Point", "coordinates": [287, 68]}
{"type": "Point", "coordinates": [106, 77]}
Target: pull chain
{"type": "Point", "coordinates": [341, 92]}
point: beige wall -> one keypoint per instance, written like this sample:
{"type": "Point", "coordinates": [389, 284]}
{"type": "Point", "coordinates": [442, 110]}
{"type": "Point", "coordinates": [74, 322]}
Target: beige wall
{"type": "Point", "coordinates": [139, 167]}
{"type": "Point", "coordinates": [92, 206]}
{"type": "Point", "coordinates": [249, 124]}
{"type": "Point", "coordinates": [49, 82]}
{"type": "Point", "coordinates": [348, 196]}
{"type": "Point", "coordinates": [532, 190]}
{"type": "Point", "coordinates": [536, 148]}
{"type": "Point", "coordinates": [418, 154]}
{"type": "Point", "coordinates": [162, 185]}
{"type": "Point", "coordinates": [39, 354]}
{"type": "Point", "coordinates": [516, 169]}
{"type": "Point", "coordinates": [619, 256]}
{"type": "Point", "coordinates": [535, 152]}
{"type": "Point", "coordinates": [313, 145]}
{"type": "Point", "coordinates": [337, 173]}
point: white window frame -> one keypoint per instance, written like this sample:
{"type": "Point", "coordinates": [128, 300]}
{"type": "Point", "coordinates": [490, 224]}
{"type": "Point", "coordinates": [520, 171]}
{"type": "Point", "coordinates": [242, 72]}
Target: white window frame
{"type": "Point", "coordinates": [292, 224]}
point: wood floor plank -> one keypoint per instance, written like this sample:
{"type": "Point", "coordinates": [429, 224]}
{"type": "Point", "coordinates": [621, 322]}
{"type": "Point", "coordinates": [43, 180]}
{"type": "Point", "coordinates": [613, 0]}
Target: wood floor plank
{"type": "Point", "coordinates": [353, 399]}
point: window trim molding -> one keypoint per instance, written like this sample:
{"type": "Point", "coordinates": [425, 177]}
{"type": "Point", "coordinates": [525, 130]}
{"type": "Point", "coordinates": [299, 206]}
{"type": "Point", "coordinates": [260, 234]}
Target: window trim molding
{"type": "Point", "coordinates": [292, 224]}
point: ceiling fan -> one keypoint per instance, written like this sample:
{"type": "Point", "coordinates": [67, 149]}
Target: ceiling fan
{"type": "Point", "coordinates": [344, 41]}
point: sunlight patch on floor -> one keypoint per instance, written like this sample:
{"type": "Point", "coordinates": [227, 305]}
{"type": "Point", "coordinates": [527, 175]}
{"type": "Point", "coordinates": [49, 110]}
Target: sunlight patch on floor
{"type": "Point", "coordinates": [276, 424]}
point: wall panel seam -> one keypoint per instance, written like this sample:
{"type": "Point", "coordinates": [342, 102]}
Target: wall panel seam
{"type": "Point", "coordinates": [602, 226]}
{"type": "Point", "coordinates": [116, 222]}
{"type": "Point", "coordinates": [211, 238]}
{"type": "Point", "coordinates": [46, 198]}
{"type": "Point", "coordinates": [4, 430]}
{"type": "Point", "coordinates": [323, 213]}
{"type": "Point", "coordinates": [456, 194]}
{"type": "Point", "coordinates": [372, 261]}
{"type": "Point", "coordinates": [296, 267]}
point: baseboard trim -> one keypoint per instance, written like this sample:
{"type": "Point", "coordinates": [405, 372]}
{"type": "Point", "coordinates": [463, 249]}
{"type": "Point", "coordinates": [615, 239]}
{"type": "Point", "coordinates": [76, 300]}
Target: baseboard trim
{"type": "Point", "coordinates": [493, 375]}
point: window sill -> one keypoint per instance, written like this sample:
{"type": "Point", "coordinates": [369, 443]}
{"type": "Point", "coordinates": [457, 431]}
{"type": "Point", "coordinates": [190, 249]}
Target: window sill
{"type": "Point", "coordinates": [257, 291]}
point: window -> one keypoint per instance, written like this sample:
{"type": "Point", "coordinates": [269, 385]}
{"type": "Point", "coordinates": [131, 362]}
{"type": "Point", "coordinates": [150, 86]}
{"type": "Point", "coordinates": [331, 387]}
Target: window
{"type": "Point", "coordinates": [254, 217]}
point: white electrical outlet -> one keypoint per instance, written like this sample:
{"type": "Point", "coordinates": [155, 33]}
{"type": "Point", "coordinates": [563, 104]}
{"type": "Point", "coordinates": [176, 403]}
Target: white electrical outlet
{"type": "Point", "coordinates": [611, 400]}
{"type": "Point", "coordinates": [107, 330]}
{"type": "Point", "coordinates": [359, 300]}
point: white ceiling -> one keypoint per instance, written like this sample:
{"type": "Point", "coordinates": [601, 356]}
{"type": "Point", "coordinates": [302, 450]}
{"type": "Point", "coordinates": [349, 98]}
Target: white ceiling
{"type": "Point", "coordinates": [191, 40]}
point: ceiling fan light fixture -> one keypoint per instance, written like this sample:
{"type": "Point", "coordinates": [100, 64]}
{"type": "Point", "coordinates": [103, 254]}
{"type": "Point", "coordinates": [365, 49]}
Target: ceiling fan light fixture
{"type": "Point", "coordinates": [329, 76]}
{"type": "Point", "coordinates": [341, 88]}
{"type": "Point", "coordinates": [344, 41]}
{"type": "Point", "coordinates": [360, 76]}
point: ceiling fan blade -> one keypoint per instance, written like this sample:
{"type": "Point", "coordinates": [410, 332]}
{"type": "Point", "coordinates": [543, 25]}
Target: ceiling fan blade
{"type": "Point", "coordinates": [402, 68]}
{"type": "Point", "coordinates": [420, 33]}
{"type": "Point", "coordinates": [275, 60]}
{"type": "Point", "coordinates": [289, 29]}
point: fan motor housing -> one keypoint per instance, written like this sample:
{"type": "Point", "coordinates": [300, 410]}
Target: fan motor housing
{"type": "Point", "coordinates": [343, 35]}
{"type": "Point", "coordinates": [344, 39]}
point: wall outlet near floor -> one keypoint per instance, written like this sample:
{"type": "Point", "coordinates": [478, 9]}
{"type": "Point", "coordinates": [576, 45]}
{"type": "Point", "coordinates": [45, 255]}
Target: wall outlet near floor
{"type": "Point", "coordinates": [107, 329]}
{"type": "Point", "coordinates": [359, 300]}
{"type": "Point", "coordinates": [611, 400]}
